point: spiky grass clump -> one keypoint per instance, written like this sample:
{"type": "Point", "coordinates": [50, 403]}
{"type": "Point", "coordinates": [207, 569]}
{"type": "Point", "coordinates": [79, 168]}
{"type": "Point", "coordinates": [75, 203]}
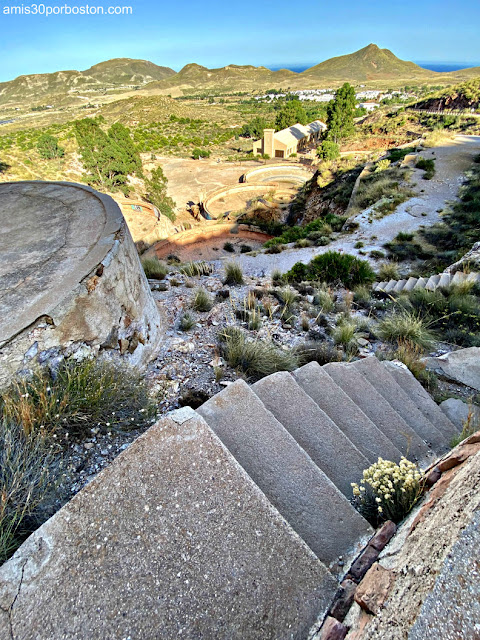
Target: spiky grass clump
{"type": "Point", "coordinates": [79, 396]}
{"type": "Point", "coordinates": [277, 277]}
{"type": "Point", "coordinates": [27, 465]}
{"type": "Point", "coordinates": [202, 301]}
{"type": "Point", "coordinates": [321, 352]}
{"type": "Point", "coordinates": [154, 268]}
{"type": "Point", "coordinates": [187, 322]}
{"type": "Point", "coordinates": [233, 274]}
{"type": "Point", "coordinates": [288, 297]}
{"type": "Point", "coordinates": [406, 326]}
{"type": "Point", "coordinates": [194, 269]}
{"type": "Point", "coordinates": [388, 271]}
{"type": "Point", "coordinates": [255, 358]}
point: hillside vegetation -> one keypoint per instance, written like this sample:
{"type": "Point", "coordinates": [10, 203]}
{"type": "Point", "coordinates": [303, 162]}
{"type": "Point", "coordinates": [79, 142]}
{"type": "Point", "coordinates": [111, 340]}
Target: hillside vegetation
{"type": "Point", "coordinates": [462, 96]}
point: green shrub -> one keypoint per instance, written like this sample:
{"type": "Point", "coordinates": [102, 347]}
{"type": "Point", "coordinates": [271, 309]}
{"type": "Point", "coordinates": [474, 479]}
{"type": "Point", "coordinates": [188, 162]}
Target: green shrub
{"type": "Point", "coordinates": [256, 358]}
{"type": "Point", "coordinates": [388, 491]}
{"type": "Point", "coordinates": [328, 150]}
{"type": "Point", "coordinates": [332, 267]}
{"type": "Point", "coordinates": [200, 153]}
{"type": "Point", "coordinates": [428, 165]}
{"type": "Point", "coordinates": [376, 254]}
{"type": "Point", "coordinates": [202, 301]}
{"type": "Point", "coordinates": [359, 245]}
{"type": "Point", "coordinates": [233, 274]}
{"type": "Point", "coordinates": [154, 268]}
{"type": "Point", "coordinates": [245, 248]}
{"type": "Point", "coordinates": [228, 246]}
{"type": "Point", "coordinates": [78, 397]}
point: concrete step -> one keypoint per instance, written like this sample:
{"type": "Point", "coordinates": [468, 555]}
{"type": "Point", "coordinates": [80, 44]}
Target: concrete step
{"type": "Point", "coordinates": [458, 277]}
{"type": "Point", "coordinates": [445, 280]}
{"type": "Point", "coordinates": [372, 442]}
{"type": "Point", "coordinates": [172, 539]}
{"type": "Point", "coordinates": [410, 284]}
{"type": "Point", "coordinates": [387, 386]}
{"type": "Point", "coordinates": [399, 286]}
{"type": "Point", "coordinates": [420, 284]}
{"type": "Point", "coordinates": [473, 277]}
{"type": "Point", "coordinates": [421, 398]}
{"type": "Point", "coordinates": [389, 286]}
{"type": "Point", "coordinates": [293, 483]}
{"type": "Point", "coordinates": [379, 286]}
{"type": "Point", "coordinates": [432, 282]}
{"type": "Point", "coordinates": [374, 405]}
{"type": "Point", "coordinates": [314, 431]}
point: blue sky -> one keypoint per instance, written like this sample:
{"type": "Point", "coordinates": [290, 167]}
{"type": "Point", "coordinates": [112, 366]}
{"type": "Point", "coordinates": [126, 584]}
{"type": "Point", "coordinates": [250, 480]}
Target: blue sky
{"type": "Point", "coordinates": [218, 32]}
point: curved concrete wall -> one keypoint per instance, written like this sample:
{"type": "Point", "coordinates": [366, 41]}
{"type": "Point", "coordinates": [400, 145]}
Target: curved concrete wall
{"type": "Point", "coordinates": [295, 172]}
{"type": "Point", "coordinates": [242, 188]}
{"type": "Point", "coordinates": [163, 248]}
{"type": "Point", "coordinates": [71, 280]}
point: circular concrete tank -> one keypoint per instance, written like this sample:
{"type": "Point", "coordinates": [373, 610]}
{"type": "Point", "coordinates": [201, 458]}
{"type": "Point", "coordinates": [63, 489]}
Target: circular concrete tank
{"type": "Point", "coordinates": [71, 283]}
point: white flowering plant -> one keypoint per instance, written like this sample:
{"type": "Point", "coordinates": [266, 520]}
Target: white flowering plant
{"type": "Point", "coordinates": [388, 490]}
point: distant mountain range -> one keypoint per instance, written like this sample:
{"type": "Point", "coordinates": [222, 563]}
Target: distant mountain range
{"type": "Point", "coordinates": [370, 65]}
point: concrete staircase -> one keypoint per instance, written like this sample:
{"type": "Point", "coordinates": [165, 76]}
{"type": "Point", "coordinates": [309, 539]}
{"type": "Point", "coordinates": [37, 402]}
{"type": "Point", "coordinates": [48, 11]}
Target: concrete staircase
{"type": "Point", "coordinates": [304, 437]}
{"type": "Point", "coordinates": [438, 281]}
{"type": "Point", "coordinates": [233, 521]}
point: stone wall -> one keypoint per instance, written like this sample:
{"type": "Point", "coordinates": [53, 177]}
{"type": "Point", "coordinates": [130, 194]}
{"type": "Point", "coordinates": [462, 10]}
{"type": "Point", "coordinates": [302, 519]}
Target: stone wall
{"type": "Point", "coordinates": [71, 280]}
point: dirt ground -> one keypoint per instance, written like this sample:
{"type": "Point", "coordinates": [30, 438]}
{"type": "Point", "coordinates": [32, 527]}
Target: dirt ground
{"type": "Point", "coordinates": [189, 180]}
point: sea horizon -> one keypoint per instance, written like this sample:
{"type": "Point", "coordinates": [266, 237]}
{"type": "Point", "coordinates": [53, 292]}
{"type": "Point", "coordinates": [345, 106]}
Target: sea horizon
{"type": "Point", "coordinates": [440, 67]}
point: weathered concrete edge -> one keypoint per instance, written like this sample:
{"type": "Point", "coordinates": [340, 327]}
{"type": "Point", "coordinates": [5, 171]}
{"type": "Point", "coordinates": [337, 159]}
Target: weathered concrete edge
{"type": "Point", "coordinates": [16, 565]}
{"type": "Point", "coordinates": [114, 223]}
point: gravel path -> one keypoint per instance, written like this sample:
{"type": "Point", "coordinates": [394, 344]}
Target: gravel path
{"type": "Point", "coordinates": [451, 161]}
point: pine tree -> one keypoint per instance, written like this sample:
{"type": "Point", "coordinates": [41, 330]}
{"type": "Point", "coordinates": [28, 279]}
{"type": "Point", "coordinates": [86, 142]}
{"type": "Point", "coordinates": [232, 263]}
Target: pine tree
{"type": "Point", "coordinates": [340, 114]}
{"type": "Point", "coordinates": [156, 193]}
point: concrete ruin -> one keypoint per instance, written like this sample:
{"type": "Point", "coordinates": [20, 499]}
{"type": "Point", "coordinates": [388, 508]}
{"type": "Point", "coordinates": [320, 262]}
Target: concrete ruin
{"type": "Point", "coordinates": [71, 280]}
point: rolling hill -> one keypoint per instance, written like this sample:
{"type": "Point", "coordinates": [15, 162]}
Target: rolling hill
{"type": "Point", "coordinates": [66, 87]}
{"type": "Point", "coordinates": [369, 63]}
{"type": "Point", "coordinates": [194, 77]}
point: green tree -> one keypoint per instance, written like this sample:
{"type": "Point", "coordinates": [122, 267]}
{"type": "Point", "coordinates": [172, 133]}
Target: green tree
{"type": "Point", "coordinates": [108, 157]}
{"type": "Point", "coordinates": [340, 114]}
{"type": "Point", "coordinates": [291, 113]}
{"type": "Point", "coordinates": [254, 128]}
{"type": "Point", "coordinates": [328, 150]}
{"type": "Point", "coordinates": [48, 148]}
{"type": "Point", "coordinates": [156, 193]}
